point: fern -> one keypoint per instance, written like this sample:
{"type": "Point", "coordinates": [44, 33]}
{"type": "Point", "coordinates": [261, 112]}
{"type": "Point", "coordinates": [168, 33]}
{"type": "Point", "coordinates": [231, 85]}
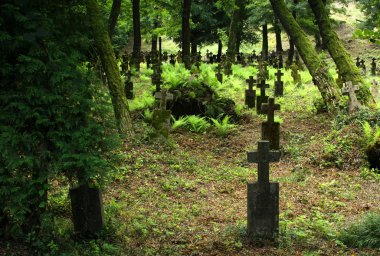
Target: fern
{"type": "Point", "coordinates": [180, 122]}
{"type": "Point", "coordinates": [148, 115]}
{"type": "Point", "coordinates": [223, 127]}
{"type": "Point", "coordinates": [371, 135]}
{"type": "Point", "coordinates": [197, 124]}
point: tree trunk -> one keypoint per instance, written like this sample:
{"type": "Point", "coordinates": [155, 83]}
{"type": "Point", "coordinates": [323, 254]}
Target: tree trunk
{"type": "Point", "coordinates": [291, 43]}
{"type": "Point", "coordinates": [232, 38]}
{"type": "Point", "coordinates": [154, 36]}
{"type": "Point", "coordinates": [136, 33]}
{"type": "Point", "coordinates": [114, 14]}
{"type": "Point", "coordinates": [317, 67]}
{"type": "Point", "coordinates": [220, 48]}
{"type": "Point", "coordinates": [277, 31]}
{"type": "Point", "coordinates": [186, 33]}
{"type": "Point", "coordinates": [194, 49]}
{"type": "Point", "coordinates": [345, 64]}
{"type": "Point", "coordinates": [107, 56]}
{"type": "Point", "coordinates": [265, 50]}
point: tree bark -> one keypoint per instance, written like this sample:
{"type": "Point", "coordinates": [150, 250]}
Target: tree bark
{"type": "Point", "coordinates": [317, 67]}
{"type": "Point", "coordinates": [220, 48]}
{"type": "Point", "coordinates": [291, 43]}
{"type": "Point", "coordinates": [345, 64]}
{"type": "Point", "coordinates": [232, 38]}
{"type": "Point", "coordinates": [186, 33]}
{"type": "Point", "coordinates": [265, 50]}
{"type": "Point", "coordinates": [108, 59]}
{"type": "Point", "coordinates": [277, 31]}
{"type": "Point", "coordinates": [114, 14]}
{"type": "Point", "coordinates": [136, 33]}
{"type": "Point", "coordinates": [194, 49]}
{"type": "Point", "coordinates": [154, 36]}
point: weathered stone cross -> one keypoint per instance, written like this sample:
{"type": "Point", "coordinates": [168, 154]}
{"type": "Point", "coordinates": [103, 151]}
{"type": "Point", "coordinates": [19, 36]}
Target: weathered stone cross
{"type": "Point", "coordinates": [279, 85]}
{"type": "Point", "coordinates": [279, 74]}
{"type": "Point", "coordinates": [269, 108]}
{"type": "Point", "coordinates": [353, 103]}
{"type": "Point", "coordinates": [251, 81]}
{"type": "Point", "coordinates": [163, 96]}
{"type": "Point", "coordinates": [262, 98]}
{"type": "Point", "coordinates": [263, 196]}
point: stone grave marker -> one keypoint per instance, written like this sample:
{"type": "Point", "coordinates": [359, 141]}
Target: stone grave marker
{"type": "Point", "coordinates": [375, 90]}
{"type": "Point", "coordinates": [262, 98]}
{"type": "Point", "coordinates": [172, 59]}
{"type": "Point", "coordinates": [363, 67]}
{"type": "Point", "coordinates": [161, 116]}
{"type": "Point", "coordinates": [373, 67]}
{"type": "Point", "coordinates": [270, 130]}
{"type": "Point", "coordinates": [129, 86]}
{"type": "Point", "coordinates": [156, 77]}
{"type": "Point", "coordinates": [250, 94]}
{"type": "Point", "coordinates": [353, 103]}
{"type": "Point", "coordinates": [263, 197]}
{"type": "Point", "coordinates": [358, 61]}
{"type": "Point", "coordinates": [165, 56]}
{"type": "Point", "coordinates": [280, 61]}
{"type": "Point", "coordinates": [279, 85]}
{"type": "Point", "coordinates": [295, 75]}
{"type": "Point", "coordinates": [87, 210]}
{"type": "Point", "coordinates": [179, 57]}
{"type": "Point", "coordinates": [219, 75]}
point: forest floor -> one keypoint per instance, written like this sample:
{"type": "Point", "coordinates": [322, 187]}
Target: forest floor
{"type": "Point", "coordinates": [188, 195]}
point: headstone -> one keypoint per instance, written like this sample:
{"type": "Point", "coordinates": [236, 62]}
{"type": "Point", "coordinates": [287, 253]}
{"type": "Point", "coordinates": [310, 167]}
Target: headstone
{"type": "Point", "coordinates": [211, 58]}
{"type": "Point", "coordinates": [262, 98]}
{"type": "Point", "coordinates": [161, 116]}
{"type": "Point", "coordinates": [165, 57]}
{"type": "Point", "coordinates": [280, 61]}
{"type": "Point", "coordinates": [373, 67]}
{"type": "Point", "coordinates": [219, 75]}
{"type": "Point", "coordinates": [358, 61]}
{"type": "Point", "coordinates": [353, 103]}
{"type": "Point", "coordinates": [363, 67]}
{"type": "Point", "coordinates": [263, 70]}
{"type": "Point", "coordinates": [129, 86]}
{"type": "Point", "coordinates": [179, 57]}
{"type": "Point", "coordinates": [87, 210]}
{"type": "Point", "coordinates": [250, 94]}
{"type": "Point", "coordinates": [270, 130]}
{"type": "Point", "coordinates": [156, 77]}
{"type": "Point", "coordinates": [279, 85]}
{"type": "Point", "coordinates": [263, 197]}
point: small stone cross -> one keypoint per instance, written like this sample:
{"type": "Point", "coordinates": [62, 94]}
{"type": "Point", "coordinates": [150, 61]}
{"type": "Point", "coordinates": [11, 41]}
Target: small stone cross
{"type": "Point", "coordinates": [350, 90]}
{"type": "Point", "coordinates": [262, 87]}
{"type": "Point", "coordinates": [163, 96]}
{"type": "Point", "coordinates": [251, 82]}
{"type": "Point", "coordinates": [279, 74]}
{"type": "Point", "coordinates": [263, 156]}
{"type": "Point", "coordinates": [269, 108]}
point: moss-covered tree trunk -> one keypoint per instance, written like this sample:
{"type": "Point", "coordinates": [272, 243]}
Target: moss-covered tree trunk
{"type": "Point", "coordinates": [345, 64]}
{"type": "Point", "coordinates": [154, 35]}
{"type": "Point", "coordinates": [291, 51]}
{"type": "Point", "coordinates": [317, 67]}
{"type": "Point", "coordinates": [277, 31]}
{"type": "Point", "coordinates": [186, 33]}
{"type": "Point", "coordinates": [107, 56]}
{"type": "Point", "coordinates": [233, 33]}
{"type": "Point", "coordinates": [114, 14]}
{"type": "Point", "coordinates": [265, 48]}
{"type": "Point", "coordinates": [136, 33]}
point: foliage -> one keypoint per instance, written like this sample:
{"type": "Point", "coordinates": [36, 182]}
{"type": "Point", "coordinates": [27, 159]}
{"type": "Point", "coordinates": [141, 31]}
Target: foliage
{"type": "Point", "coordinates": [222, 126]}
{"type": "Point", "coordinates": [180, 122]}
{"type": "Point", "coordinates": [371, 135]}
{"type": "Point", "coordinates": [55, 118]}
{"type": "Point", "coordinates": [197, 124]}
{"type": "Point", "coordinates": [365, 233]}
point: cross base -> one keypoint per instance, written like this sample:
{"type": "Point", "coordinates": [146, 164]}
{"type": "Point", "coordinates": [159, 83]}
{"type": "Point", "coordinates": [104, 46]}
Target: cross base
{"type": "Point", "coordinates": [271, 132]}
{"type": "Point", "coordinates": [219, 77]}
{"type": "Point", "coordinates": [161, 121]}
{"type": "Point", "coordinates": [260, 101]}
{"type": "Point", "coordinates": [263, 212]}
{"type": "Point", "coordinates": [250, 98]}
{"type": "Point", "coordinates": [278, 88]}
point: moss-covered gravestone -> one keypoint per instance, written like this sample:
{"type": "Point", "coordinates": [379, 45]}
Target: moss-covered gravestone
{"type": "Point", "coordinates": [250, 94]}
{"type": "Point", "coordinates": [129, 86]}
{"type": "Point", "coordinates": [373, 67]}
{"type": "Point", "coordinates": [279, 85]}
{"type": "Point", "coordinates": [270, 130]}
{"type": "Point", "coordinates": [87, 210]}
{"type": "Point", "coordinates": [353, 103]}
{"type": "Point", "coordinates": [263, 197]}
{"type": "Point", "coordinates": [161, 116]}
{"type": "Point", "coordinates": [295, 74]}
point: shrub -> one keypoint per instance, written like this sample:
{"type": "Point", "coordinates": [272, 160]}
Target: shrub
{"type": "Point", "coordinates": [180, 122]}
{"type": "Point", "coordinates": [223, 127]}
{"type": "Point", "coordinates": [197, 124]}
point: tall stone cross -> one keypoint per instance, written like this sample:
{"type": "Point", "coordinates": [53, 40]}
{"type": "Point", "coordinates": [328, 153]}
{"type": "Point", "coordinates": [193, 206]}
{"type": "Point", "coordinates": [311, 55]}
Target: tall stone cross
{"type": "Point", "coordinates": [263, 196]}
{"type": "Point", "coordinates": [373, 67]}
{"type": "Point", "coordinates": [250, 94]}
{"type": "Point", "coordinates": [353, 103]}
{"type": "Point", "coordinates": [270, 130]}
{"type": "Point", "coordinates": [129, 86]}
{"type": "Point", "coordinates": [262, 98]}
{"type": "Point", "coordinates": [163, 96]}
{"type": "Point", "coordinates": [219, 75]}
{"type": "Point", "coordinates": [279, 85]}
{"type": "Point", "coordinates": [358, 61]}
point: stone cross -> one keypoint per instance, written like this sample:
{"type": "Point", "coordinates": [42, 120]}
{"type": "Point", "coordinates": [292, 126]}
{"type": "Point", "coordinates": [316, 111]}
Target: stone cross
{"type": "Point", "coordinates": [129, 86]}
{"type": "Point", "coordinates": [269, 108]}
{"type": "Point", "coordinates": [353, 103]}
{"type": "Point", "coordinates": [358, 61]}
{"type": "Point", "coordinates": [279, 85]}
{"type": "Point", "coordinates": [364, 69]}
{"type": "Point", "coordinates": [163, 96]}
{"type": "Point", "coordinates": [172, 59]}
{"type": "Point", "coordinates": [262, 98]}
{"type": "Point", "coordinates": [263, 196]}
{"type": "Point", "coordinates": [280, 61]}
{"type": "Point", "coordinates": [270, 130]}
{"type": "Point", "coordinates": [250, 94]}
{"type": "Point", "coordinates": [279, 74]}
